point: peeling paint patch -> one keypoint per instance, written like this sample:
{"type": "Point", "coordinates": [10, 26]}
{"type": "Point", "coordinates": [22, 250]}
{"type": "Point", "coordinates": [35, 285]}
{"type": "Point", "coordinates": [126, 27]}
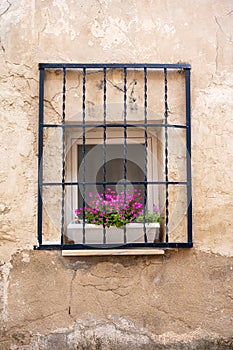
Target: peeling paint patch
{"type": "Point", "coordinates": [167, 29]}
{"type": "Point", "coordinates": [5, 269]}
{"type": "Point", "coordinates": [25, 257]}
{"type": "Point", "coordinates": [112, 31]}
{"type": "Point", "coordinates": [118, 333]}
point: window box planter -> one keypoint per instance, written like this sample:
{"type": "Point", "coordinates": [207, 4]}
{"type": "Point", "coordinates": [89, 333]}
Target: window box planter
{"type": "Point", "coordinates": [94, 233]}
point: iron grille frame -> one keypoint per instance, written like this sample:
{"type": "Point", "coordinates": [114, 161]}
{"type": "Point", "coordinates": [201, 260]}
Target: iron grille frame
{"type": "Point", "coordinates": [104, 66]}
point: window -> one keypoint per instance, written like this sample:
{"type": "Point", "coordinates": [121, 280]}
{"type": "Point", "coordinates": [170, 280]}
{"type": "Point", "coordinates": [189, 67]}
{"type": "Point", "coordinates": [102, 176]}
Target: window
{"type": "Point", "coordinates": [113, 152]}
{"type": "Point", "coordinates": [114, 169]}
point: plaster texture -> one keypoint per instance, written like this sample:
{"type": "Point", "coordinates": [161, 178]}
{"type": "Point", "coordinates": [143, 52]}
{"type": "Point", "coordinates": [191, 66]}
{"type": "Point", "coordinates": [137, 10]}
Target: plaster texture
{"type": "Point", "coordinates": [180, 301]}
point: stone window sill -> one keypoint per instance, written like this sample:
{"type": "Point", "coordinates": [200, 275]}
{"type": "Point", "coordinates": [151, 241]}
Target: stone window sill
{"type": "Point", "coordinates": [110, 252]}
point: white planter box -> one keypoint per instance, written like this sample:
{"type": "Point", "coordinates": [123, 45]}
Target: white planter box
{"type": "Point", "coordinates": [94, 233]}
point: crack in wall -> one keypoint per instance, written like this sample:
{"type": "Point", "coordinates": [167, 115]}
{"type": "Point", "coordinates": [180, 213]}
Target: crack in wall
{"type": "Point", "coordinates": [217, 47]}
{"type": "Point", "coordinates": [101, 7]}
{"type": "Point", "coordinates": [131, 84]}
{"type": "Point", "coordinates": [71, 292]}
{"type": "Point", "coordinates": [221, 29]}
{"type": "Point", "coordinates": [229, 13]}
{"type": "Point", "coordinates": [108, 289]}
{"type": "Point", "coordinates": [5, 11]}
{"type": "Point", "coordinates": [218, 40]}
{"type": "Point", "coordinates": [2, 47]}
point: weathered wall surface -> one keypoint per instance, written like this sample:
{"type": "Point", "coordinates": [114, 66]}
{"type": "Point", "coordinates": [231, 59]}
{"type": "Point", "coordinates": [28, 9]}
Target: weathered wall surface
{"type": "Point", "coordinates": [181, 301]}
{"type": "Point", "coordinates": [178, 301]}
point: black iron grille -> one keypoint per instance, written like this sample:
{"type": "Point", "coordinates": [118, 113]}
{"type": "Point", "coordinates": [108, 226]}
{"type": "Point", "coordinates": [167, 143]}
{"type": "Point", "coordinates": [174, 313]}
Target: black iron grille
{"type": "Point", "coordinates": [135, 173]}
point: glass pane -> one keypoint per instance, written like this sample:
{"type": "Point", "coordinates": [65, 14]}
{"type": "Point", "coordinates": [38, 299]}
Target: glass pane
{"type": "Point", "coordinates": [114, 167]}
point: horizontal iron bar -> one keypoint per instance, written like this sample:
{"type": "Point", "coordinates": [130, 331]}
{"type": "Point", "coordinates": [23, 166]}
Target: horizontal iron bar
{"type": "Point", "coordinates": [113, 246]}
{"type": "Point", "coordinates": [115, 65]}
{"type": "Point", "coordinates": [113, 125]}
{"type": "Point", "coordinates": [114, 183]}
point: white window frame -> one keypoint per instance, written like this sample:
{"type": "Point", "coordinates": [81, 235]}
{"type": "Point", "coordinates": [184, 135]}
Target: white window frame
{"type": "Point", "coordinates": [114, 136]}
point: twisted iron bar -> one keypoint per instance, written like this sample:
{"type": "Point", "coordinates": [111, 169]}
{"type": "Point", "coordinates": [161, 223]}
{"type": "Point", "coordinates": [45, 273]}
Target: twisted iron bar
{"type": "Point", "coordinates": [63, 154]}
{"type": "Point", "coordinates": [104, 145]}
{"type": "Point", "coordinates": [166, 153]}
{"type": "Point", "coordinates": [84, 149]}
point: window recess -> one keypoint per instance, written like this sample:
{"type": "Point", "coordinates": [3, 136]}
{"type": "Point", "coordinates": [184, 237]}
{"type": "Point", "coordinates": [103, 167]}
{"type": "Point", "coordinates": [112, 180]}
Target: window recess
{"type": "Point", "coordinates": [114, 163]}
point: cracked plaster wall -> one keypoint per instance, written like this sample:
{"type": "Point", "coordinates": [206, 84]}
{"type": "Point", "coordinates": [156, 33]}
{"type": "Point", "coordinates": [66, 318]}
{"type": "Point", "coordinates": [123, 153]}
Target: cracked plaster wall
{"type": "Point", "coordinates": [47, 301]}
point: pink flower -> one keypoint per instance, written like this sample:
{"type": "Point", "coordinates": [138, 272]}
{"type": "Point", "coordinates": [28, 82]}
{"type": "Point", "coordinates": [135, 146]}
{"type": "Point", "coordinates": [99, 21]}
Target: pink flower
{"type": "Point", "coordinates": [125, 206]}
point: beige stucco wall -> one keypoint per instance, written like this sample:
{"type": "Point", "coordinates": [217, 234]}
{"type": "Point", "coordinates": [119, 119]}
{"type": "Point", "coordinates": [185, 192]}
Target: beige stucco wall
{"type": "Point", "coordinates": [47, 301]}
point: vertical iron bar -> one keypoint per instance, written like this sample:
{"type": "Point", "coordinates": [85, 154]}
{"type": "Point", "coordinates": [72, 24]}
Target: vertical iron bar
{"type": "Point", "coordinates": [104, 151]}
{"type": "Point", "coordinates": [125, 142]}
{"type": "Point", "coordinates": [63, 155]}
{"type": "Point", "coordinates": [146, 154]}
{"type": "Point", "coordinates": [84, 151]}
{"type": "Point", "coordinates": [166, 151]}
{"type": "Point", "coordinates": [40, 156]}
{"type": "Point", "coordinates": [188, 154]}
